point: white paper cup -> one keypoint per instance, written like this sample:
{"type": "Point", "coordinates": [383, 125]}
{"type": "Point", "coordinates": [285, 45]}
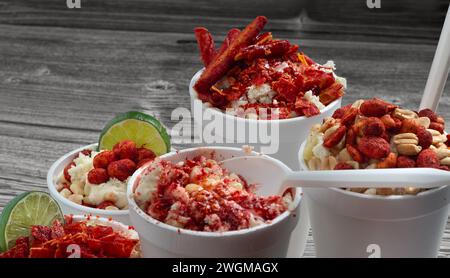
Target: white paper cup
{"type": "Point", "coordinates": [349, 224]}
{"type": "Point", "coordinates": [162, 240]}
{"type": "Point", "coordinates": [69, 207]}
{"type": "Point", "coordinates": [291, 131]}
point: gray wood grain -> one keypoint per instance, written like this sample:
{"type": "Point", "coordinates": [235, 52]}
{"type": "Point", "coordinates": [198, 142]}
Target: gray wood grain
{"type": "Point", "coordinates": [64, 73]}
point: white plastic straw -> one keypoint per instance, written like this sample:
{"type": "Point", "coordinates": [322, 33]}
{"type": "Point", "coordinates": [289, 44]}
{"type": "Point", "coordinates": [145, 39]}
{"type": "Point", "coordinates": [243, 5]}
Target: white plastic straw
{"type": "Point", "coordinates": [439, 69]}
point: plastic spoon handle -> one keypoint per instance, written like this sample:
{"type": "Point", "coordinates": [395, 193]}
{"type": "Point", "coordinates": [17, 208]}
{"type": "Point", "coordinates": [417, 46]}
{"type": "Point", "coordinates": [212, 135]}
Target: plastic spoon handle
{"type": "Point", "coordinates": [439, 69]}
{"type": "Point", "coordinates": [376, 178]}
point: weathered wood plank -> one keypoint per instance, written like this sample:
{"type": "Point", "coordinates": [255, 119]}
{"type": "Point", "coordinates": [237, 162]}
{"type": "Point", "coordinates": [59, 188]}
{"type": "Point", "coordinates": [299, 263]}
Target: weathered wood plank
{"type": "Point", "coordinates": [339, 19]}
{"type": "Point", "coordinates": [59, 85]}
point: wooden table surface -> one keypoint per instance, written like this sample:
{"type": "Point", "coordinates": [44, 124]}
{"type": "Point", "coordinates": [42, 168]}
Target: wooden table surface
{"type": "Point", "coordinates": [64, 73]}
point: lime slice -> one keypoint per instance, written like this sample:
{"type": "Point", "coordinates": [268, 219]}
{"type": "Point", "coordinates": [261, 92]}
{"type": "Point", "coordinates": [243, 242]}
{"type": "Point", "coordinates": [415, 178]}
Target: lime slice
{"type": "Point", "coordinates": [143, 129]}
{"type": "Point", "coordinates": [24, 211]}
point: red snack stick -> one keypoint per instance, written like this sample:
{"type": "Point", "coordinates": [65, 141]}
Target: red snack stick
{"type": "Point", "coordinates": [273, 48]}
{"type": "Point", "coordinates": [103, 159]}
{"type": "Point", "coordinates": [231, 36]}
{"type": "Point", "coordinates": [262, 38]}
{"type": "Point", "coordinates": [428, 158]}
{"type": "Point", "coordinates": [376, 107]}
{"type": "Point", "coordinates": [224, 62]}
{"type": "Point", "coordinates": [333, 139]}
{"type": "Point", "coordinates": [205, 44]}
{"type": "Point", "coordinates": [405, 162]}
{"type": "Point", "coordinates": [121, 169]}
{"type": "Point", "coordinates": [66, 171]}
{"type": "Point", "coordinates": [374, 147]}
{"type": "Point", "coordinates": [125, 149]}
{"type": "Point", "coordinates": [98, 176]}
{"type": "Point", "coordinates": [448, 140]}
{"type": "Point", "coordinates": [343, 166]}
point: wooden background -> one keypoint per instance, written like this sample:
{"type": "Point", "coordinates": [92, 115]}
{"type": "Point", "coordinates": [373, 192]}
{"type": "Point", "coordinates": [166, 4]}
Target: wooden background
{"type": "Point", "coordinates": [65, 72]}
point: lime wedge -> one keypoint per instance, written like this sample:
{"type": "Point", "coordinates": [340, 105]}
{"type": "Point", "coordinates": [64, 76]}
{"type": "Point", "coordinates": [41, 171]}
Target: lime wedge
{"type": "Point", "coordinates": [24, 211]}
{"type": "Point", "coordinates": [143, 129]}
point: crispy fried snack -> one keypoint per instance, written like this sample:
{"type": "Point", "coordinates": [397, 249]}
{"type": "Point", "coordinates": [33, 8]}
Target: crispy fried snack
{"type": "Point", "coordinates": [205, 43]}
{"type": "Point", "coordinates": [231, 36]}
{"type": "Point", "coordinates": [224, 62]}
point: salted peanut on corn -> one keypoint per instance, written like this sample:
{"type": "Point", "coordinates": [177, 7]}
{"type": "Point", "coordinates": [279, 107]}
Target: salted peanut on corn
{"type": "Point", "coordinates": [424, 121]}
{"type": "Point", "coordinates": [407, 144]}
{"type": "Point", "coordinates": [438, 138]}
{"type": "Point", "coordinates": [404, 114]}
{"type": "Point", "coordinates": [443, 154]}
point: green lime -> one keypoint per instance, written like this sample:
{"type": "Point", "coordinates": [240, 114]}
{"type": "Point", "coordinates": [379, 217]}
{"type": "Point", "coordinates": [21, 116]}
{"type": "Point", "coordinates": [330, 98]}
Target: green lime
{"type": "Point", "coordinates": [143, 129]}
{"type": "Point", "coordinates": [24, 211]}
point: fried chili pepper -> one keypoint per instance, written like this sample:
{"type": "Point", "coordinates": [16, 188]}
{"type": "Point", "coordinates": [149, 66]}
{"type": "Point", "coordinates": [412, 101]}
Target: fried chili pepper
{"type": "Point", "coordinates": [224, 62]}
{"type": "Point", "coordinates": [205, 43]}
{"type": "Point", "coordinates": [273, 49]}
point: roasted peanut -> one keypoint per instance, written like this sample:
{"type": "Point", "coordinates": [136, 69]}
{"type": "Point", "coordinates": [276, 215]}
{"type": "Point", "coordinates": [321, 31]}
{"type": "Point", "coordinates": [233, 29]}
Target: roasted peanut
{"type": "Point", "coordinates": [424, 121]}
{"type": "Point", "coordinates": [408, 149]}
{"type": "Point", "coordinates": [437, 137]}
{"type": "Point", "coordinates": [407, 144]}
{"type": "Point", "coordinates": [404, 114]}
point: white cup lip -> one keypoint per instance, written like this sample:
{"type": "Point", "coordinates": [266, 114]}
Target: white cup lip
{"type": "Point", "coordinates": [99, 219]}
{"type": "Point", "coordinates": [52, 187]}
{"type": "Point", "coordinates": [392, 198]}
{"type": "Point", "coordinates": [216, 111]}
{"type": "Point", "coordinates": [151, 221]}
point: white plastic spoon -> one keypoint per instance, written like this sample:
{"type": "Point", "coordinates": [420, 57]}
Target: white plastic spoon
{"type": "Point", "coordinates": [273, 177]}
{"type": "Point", "coordinates": [439, 69]}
